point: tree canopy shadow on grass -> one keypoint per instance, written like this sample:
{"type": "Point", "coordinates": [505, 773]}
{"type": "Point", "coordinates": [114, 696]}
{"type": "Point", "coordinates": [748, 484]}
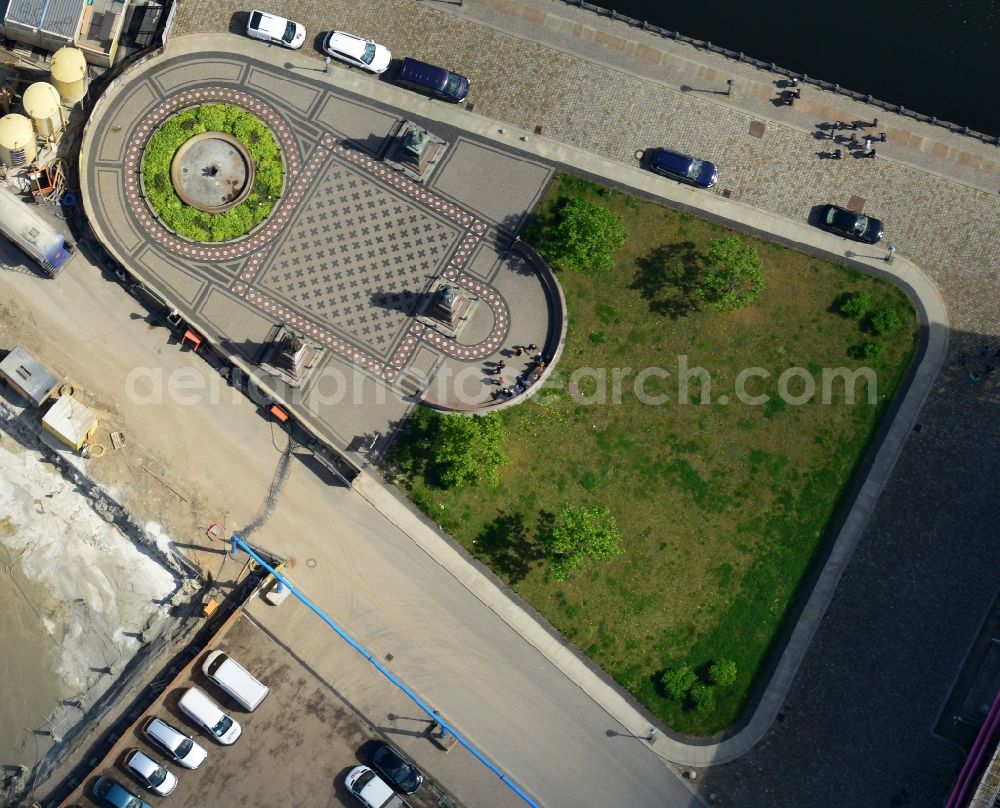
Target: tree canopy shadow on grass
{"type": "Point", "coordinates": [668, 279]}
{"type": "Point", "coordinates": [508, 547]}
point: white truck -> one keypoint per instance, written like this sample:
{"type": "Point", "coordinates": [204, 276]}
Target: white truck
{"type": "Point", "coordinates": [372, 790]}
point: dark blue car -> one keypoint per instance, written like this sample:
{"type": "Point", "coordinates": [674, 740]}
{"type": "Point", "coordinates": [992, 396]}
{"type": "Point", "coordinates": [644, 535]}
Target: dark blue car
{"type": "Point", "coordinates": [435, 81]}
{"type": "Point", "coordinates": [683, 168]}
{"type": "Point", "coordinates": [115, 795]}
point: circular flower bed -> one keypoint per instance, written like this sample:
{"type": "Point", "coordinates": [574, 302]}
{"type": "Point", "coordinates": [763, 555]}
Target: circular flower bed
{"type": "Point", "coordinates": [199, 225]}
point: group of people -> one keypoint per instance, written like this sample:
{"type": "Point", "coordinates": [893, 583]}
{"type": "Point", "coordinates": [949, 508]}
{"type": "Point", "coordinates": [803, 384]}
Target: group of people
{"type": "Point", "coordinates": [534, 370]}
{"type": "Point", "coordinates": [854, 143]}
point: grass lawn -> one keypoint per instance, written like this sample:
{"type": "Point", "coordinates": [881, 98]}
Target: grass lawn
{"type": "Point", "coordinates": [722, 507]}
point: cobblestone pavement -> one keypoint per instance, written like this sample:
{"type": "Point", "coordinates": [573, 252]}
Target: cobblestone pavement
{"type": "Point", "coordinates": [856, 728]}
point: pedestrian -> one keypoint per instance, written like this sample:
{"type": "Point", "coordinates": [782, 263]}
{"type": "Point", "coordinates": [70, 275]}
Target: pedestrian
{"type": "Point", "coordinates": [793, 82]}
{"type": "Point", "coordinates": [856, 125]}
{"type": "Point", "coordinates": [518, 350]}
{"type": "Point", "coordinates": [868, 142]}
{"type": "Point", "coordinates": [498, 381]}
{"type": "Point", "coordinates": [839, 125]}
{"type": "Point", "coordinates": [532, 347]}
{"type": "Point", "coordinates": [501, 364]}
{"type": "Point", "coordinates": [495, 371]}
{"type": "Point", "coordinates": [837, 154]}
{"type": "Point", "coordinates": [881, 137]}
{"type": "Point", "coordinates": [854, 143]}
{"type": "Point", "coordinates": [870, 154]}
{"type": "Point", "coordinates": [874, 123]}
{"type": "Point", "coordinates": [541, 366]}
{"type": "Point", "coordinates": [797, 93]}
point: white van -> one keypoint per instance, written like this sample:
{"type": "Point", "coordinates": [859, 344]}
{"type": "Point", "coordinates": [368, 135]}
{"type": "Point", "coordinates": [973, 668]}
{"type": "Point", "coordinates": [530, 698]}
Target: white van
{"type": "Point", "coordinates": [201, 709]}
{"type": "Point", "coordinates": [232, 677]}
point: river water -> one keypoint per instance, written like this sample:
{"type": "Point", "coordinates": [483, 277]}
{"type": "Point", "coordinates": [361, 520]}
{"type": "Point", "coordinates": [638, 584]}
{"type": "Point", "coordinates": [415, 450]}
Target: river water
{"type": "Point", "coordinates": [937, 58]}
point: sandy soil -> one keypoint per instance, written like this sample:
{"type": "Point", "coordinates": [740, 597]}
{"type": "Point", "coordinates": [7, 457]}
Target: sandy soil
{"type": "Point", "coordinates": [80, 595]}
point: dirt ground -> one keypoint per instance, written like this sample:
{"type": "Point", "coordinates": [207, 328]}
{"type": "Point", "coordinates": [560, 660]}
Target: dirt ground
{"type": "Point", "coordinates": [296, 747]}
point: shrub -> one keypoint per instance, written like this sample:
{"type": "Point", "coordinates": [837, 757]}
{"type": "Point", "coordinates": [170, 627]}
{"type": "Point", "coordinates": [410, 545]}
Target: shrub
{"type": "Point", "coordinates": [678, 681]}
{"type": "Point", "coordinates": [886, 321]}
{"type": "Point", "coordinates": [857, 305]}
{"type": "Point", "coordinates": [188, 221]}
{"type": "Point", "coordinates": [703, 697]}
{"type": "Point", "coordinates": [722, 672]}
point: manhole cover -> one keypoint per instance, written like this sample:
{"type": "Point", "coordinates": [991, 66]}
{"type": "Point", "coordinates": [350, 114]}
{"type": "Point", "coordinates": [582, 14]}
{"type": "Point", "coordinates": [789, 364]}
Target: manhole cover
{"type": "Point", "coordinates": [310, 562]}
{"type": "Point", "coordinates": [856, 203]}
{"type": "Point", "coordinates": [757, 128]}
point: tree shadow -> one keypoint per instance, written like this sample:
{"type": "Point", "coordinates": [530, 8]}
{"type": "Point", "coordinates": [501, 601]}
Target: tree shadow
{"type": "Point", "coordinates": [506, 545]}
{"type": "Point", "coordinates": [668, 279]}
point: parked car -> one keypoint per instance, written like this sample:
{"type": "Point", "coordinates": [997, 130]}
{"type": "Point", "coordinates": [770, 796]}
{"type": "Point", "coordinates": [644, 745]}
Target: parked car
{"type": "Point", "coordinates": [400, 773]}
{"type": "Point", "coordinates": [432, 80]}
{"type": "Point", "coordinates": [849, 224]}
{"type": "Point", "coordinates": [272, 28]}
{"type": "Point", "coordinates": [232, 677]}
{"type": "Point", "coordinates": [205, 712]}
{"type": "Point", "coordinates": [683, 168]}
{"type": "Point", "coordinates": [356, 51]}
{"type": "Point", "coordinates": [175, 744]}
{"type": "Point", "coordinates": [371, 790]}
{"type": "Point", "coordinates": [115, 795]}
{"type": "Point", "coordinates": [151, 774]}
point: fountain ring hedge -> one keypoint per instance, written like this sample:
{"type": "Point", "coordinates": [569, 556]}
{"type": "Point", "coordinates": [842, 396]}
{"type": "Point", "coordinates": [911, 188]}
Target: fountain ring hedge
{"type": "Point", "coordinates": [251, 206]}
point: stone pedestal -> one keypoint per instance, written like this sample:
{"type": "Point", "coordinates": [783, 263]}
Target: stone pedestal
{"type": "Point", "coordinates": [415, 151]}
{"type": "Point", "coordinates": [289, 356]}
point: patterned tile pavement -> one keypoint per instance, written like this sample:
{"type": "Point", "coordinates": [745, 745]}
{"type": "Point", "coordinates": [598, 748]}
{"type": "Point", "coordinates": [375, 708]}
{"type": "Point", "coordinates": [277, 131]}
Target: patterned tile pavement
{"type": "Point", "coordinates": [349, 253]}
{"type": "Point", "coordinates": [856, 728]}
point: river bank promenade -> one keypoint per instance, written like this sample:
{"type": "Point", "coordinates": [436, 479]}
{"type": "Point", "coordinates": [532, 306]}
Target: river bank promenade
{"type": "Point", "coordinates": [856, 725]}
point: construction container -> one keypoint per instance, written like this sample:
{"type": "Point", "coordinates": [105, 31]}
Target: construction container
{"type": "Point", "coordinates": [70, 421]}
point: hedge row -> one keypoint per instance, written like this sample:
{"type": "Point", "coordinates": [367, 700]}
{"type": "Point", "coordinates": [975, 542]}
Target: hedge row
{"type": "Point", "coordinates": [191, 222]}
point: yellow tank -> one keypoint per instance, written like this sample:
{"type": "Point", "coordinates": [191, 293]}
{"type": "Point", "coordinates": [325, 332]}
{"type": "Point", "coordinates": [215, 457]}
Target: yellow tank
{"type": "Point", "coordinates": [69, 74]}
{"type": "Point", "coordinates": [41, 102]}
{"type": "Point", "coordinates": [17, 141]}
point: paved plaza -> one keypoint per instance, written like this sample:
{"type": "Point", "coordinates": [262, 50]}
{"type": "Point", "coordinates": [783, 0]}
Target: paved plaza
{"type": "Point", "coordinates": [856, 726]}
{"type": "Point", "coordinates": [353, 252]}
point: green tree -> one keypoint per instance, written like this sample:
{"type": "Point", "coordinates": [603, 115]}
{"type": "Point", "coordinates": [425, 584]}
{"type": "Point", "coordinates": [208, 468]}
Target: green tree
{"type": "Point", "coordinates": [857, 305]}
{"type": "Point", "coordinates": [703, 697]}
{"type": "Point", "coordinates": [732, 275]}
{"type": "Point", "coordinates": [722, 672]}
{"type": "Point", "coordinates": [469, 449]}
{"type": "Point", "coordinates": [585, 236]}
{"type": "Point", "coordinates": [579, 533]}
{"type": "Point", "coordinates": [678, 681]}
{"type": "Point", "coordinates": [885, 321]}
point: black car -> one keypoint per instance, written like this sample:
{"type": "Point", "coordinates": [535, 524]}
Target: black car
{"type": "Point", "coordinates": [400, 774]}
{"type": "Point", "coordinates": [849, 224]}
{"type": "Point", "coordinates": [683, 168]}
{"type": "Point", "coordinates": [435, 81]}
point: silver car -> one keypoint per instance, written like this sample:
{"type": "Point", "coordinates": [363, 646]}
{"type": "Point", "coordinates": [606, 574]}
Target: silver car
{"type": "Point", "coordinates": [175, 744]}
{"type": "Point", "coordinates": [151, 774]}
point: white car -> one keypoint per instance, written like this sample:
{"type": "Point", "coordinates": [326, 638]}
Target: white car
{"type": "Point", "coordinates": [207, 714]}
{"type": "Point", "coordinates": [272, 28]}
{"type": "Point", "coordinates": [177, 746]}
{"type": "Point", "coordinates": [359, 52]}
{"type": "Point", "coordinates": [370, 789]}
{"type": "Point", "coordinates": [150, 773]}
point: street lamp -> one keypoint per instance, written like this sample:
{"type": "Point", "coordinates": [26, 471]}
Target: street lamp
{"type": "Point", "coordinates": [729, 86]}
